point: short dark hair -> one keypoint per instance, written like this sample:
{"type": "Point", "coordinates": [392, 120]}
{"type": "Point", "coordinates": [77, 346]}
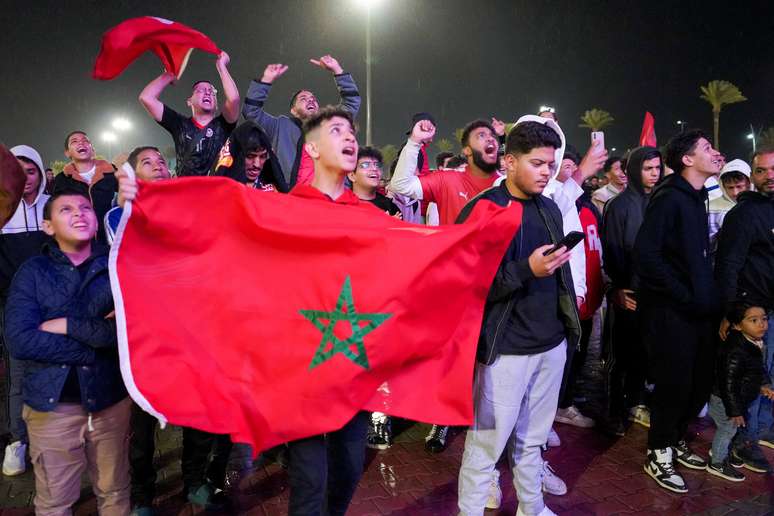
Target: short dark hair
{"type": "Point", "coordinates": [571, 153]}
{"type": "Point", "coordinates": [70, 134]}
{"type": "Point", "coordinates": [132, 159]}
{"type": "Point", "coordinates": [370, 152]}
{"type": "Point", "coordinates": [736, 311]}
{"type": "Point", "coordinates": [326, 113]}
{"type": "Point", "coordinates": [475, 124]}
{"type": "Point", "coordinates": [762, 150]}
{"type": "Point", "coordinates": [441, 157]}
{"type": "Point", "coordinates": [456, 161]}
{"type": "Point", "coordinates": [609, 162]}
{"type": "Point", "coordinates": [49, 168]}
{"type": "Point", "coordinates": [680, 145]}
{"type": "Point", "coordinates": [531, 135]}
{"type": "Point", "coordinates": [56, 195]}
{"type": "Point", "coordinates": [253, 142]}
{"type": "Point", "coordinates": [733, 177]}
{"type": "Point", "coordinates": [296, 94]}
{"type": "Point", "coordinates": [196, 83]}
{"type": "Point", "coordinates": [29, 161]}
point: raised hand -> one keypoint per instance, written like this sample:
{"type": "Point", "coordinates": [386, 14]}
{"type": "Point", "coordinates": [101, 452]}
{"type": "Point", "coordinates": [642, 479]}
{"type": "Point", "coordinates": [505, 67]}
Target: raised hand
{"type": "Point", "coordinates": [545, 265]}
{"type": "Point", "coordinates": [273, 71]}
{"type": "Point", "coordinates": [423, 132]}
{"type": "Point", "coordinates": [223, 59]}
{"type": "Point", "coordinates": [593, 161]}
{"type": "Point", "coordinates": [327, 62]}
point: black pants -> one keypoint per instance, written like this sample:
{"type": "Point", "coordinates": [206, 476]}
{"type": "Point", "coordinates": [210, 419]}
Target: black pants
{"type": "Point", "coordinates": [196, 464]}
{"type": "Point", "coordinates": [681, 357]}
{"type": "Point", "coordinates": [626, 361]}
{"type": "Point", "coordinates": [573, 366]}
{"type": "Point", "coordinates": [325, 469]}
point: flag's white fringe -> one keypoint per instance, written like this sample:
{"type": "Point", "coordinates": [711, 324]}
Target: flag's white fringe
{"type": "Point", "coordinates": [123, 344]}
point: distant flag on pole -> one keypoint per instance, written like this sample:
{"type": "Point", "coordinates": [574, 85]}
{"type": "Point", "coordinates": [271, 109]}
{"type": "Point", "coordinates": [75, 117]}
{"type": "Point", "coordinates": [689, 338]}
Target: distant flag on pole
{"type": "Point", "coordinates": [171, 41]}
{"type": "Point", "coordinates": [648, 134]}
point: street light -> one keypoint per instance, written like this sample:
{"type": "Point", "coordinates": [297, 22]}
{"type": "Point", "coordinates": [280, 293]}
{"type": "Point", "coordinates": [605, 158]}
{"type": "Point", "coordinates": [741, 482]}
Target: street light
{"type": "Point", "coordinates": [751, 136]}
{"type": "Point", "coordinates": [368, 4]}
{"type": "Point", "coordinates": [682, 125]}
{"type": "Point", "coordinates": [121, 124]}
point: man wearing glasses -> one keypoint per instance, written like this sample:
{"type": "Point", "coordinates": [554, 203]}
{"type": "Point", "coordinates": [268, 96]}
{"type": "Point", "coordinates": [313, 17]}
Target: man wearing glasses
{"type": "Point", "coordinates": [365, 180]}
{"type": "Point", "coordinates": [198, 138]}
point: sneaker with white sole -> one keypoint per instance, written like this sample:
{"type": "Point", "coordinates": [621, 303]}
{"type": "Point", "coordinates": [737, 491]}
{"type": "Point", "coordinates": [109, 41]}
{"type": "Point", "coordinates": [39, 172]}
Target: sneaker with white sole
{"type": "Point", "coordinates": [660, 468]}
{"type": "Point", "coordinates": [14, 462]}
{"type": "Point", "coordinates": [545, 512]}
{"type": "Point", "coordinates": [553, 441]}
{"type": "Point", "coordinates": [495, 495]}
{"type": "Point", "coordinates": [726, 471]}
{"type": "Point", "coordinates": [685, 456]}
{"type": "Point", "coordinates": [640, 415]}
{"type": "Point", "coordinates": [766, 440]}
{"type": "Point", "coordinates": [379, 432]}
{"type": "Point", "coordinates": [572, 416]}
{"type": "Point", "coordinates": [435, 442]}
{"type": "Point", "coordinates": [551, 483]}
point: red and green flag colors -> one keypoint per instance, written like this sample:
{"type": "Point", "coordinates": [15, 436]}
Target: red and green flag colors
{"type": "Point", "coordinates": [274, 317]}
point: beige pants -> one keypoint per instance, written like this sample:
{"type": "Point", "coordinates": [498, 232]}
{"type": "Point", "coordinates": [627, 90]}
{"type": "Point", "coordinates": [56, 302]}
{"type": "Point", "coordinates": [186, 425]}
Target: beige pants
{"type": "Point", "coordinates": [64, 443]}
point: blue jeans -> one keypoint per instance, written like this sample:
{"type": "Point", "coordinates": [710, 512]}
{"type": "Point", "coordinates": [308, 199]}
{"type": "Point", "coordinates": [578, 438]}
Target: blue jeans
{"type": "Point", "coordinates": [725, 430]}
{"type": "Point", "coordinates": [760, 420]}
{"type": "Point", "coordinates": [13, 378]}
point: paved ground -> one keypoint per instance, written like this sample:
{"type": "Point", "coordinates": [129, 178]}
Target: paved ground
{"type": "Point", "coordinates": [604, 476]}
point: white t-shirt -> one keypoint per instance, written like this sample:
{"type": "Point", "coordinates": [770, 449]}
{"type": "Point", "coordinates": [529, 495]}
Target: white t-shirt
{"type": "Point", "coordinates": [89, 174]}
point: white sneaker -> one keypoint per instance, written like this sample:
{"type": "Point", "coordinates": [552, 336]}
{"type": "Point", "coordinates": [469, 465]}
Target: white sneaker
{"type": "Point", "coordinates": [545, 512]}
{"type": "Point", "coordinates": [572, 416]}
{"type": "Point", "coordinates": [14, 462]}
{"type": "Point", "coordinates": [551, 483]}
{"type": "Point", "coordinates": [660, 467]}
{"type": "Point", "coordinates": [640, 415]}
{"type": "Point", "coordinates": [495, 494]}
{"type": "Point", "coordinates": [553, 440]}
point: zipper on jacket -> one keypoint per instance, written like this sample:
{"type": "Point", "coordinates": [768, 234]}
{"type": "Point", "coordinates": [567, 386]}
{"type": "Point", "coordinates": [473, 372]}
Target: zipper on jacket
{"type": "Point", "coordinates": [497, 330]}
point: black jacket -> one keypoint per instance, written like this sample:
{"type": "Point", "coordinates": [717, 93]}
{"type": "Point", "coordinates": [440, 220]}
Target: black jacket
{"type": "Point", "coordinates": [232, 157]}
{"type": "Point", "coordinates": [740, 374]}
{"type": "Point", "coordinates": [744, 265]}
{"type": "Point", "coordinates": [511, 277]}
{"type": "Point", "coordinates": [622, 220]}
{"type": "Point", "coordinates": [672, 250]}
{"type": "Point", "coordinates": [47, 287]}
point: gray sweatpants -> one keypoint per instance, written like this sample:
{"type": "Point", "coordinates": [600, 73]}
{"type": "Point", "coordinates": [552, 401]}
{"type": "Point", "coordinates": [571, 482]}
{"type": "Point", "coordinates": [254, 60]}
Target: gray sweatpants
{"type": "Point", "coordinates": [514, 401]}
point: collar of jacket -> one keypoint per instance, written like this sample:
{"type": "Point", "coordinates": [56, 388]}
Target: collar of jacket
{"type": "Point", "coordinates": [52, 250]}
{"type": "Point", "coordinates": [102, 167]}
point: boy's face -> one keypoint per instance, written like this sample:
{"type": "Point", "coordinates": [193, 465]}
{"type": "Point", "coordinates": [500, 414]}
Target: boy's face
{"type": "Point", "coordinates": [734, 187]}
{"type": "Point", "coordinates": [32, 177]}
{"type": "Point", "coordinates": [204, 98]}
{"type": "Point", "coordinates": [530, 172]}
{"type": "Point", "coordinates": [73, 221]}
{"type": "Point", "coordinates": [334, 145]}
{"type": "Point", "coordinates": [566, 170]}
{"type": "Point", "coordinates": [651, 170]}
{"type": "Point", "coordinates": [704, 158]}
{"type": "Point", "coordinates": [616, 175]}
{"type": "Point", "coordinates": [79, 148]}
{"type": "Point", "coordinates": [254, 162]}
{"type": "Point", "coordinates": [368, 172]}
{"type": "Point", "coordinates": [151, 166]}
{"type": "Point", "coordinates": [755, 323]}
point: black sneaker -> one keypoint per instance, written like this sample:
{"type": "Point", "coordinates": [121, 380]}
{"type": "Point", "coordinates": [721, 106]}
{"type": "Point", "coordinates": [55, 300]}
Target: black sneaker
{"type": "Point", "coordinates": [766, 440]}
{"type": "Point", "coordinates": [725, 470]}
{"type": "Point", "coordinates": [752, 458]}
{"type": "Point", "coordinates": [731, 458]}
{"type": "Point", "coordinates": [687, 458]}
{"type": "Point", "coordinates": [435, 442]}
{"type": "Point", "coordinates": [659, 466]}
{"type": "Point", "coordinates": [379, 432]}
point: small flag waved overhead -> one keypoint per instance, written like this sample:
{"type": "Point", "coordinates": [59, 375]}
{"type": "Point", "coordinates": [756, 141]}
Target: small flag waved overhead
{"type": "Point", "coordinates": [171, 41]}
{"type": "Point", "coordinates": [648, 134]}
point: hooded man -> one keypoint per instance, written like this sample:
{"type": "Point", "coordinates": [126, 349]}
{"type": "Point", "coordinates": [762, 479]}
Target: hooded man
{"type": "Point", "coordinates": [247, 157]}
{"type": "Point", "coordinates": [734, 179]}
{"type": "Point", "coordinates": [20, 239]}
{"type": "Point", "coordinates": [626, 360]}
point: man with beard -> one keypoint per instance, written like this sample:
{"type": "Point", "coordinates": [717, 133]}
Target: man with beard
{"type": "Point", "coordinates": [678, 303]}
{"type": "Point", "coordinates": [745, 272]}
{"type": "Point", "coordinates": [625, 364]}
{"type": "Point", "coordinates": [198, 138]}
{"type": "Point", "coordinates": [284, 131]}
{"type": "Point", "coordinates": [247, 158]}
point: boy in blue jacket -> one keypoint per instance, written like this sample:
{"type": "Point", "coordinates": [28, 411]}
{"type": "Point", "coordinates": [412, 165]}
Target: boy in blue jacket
{"type": "Point", "coordinates": [59, 320]}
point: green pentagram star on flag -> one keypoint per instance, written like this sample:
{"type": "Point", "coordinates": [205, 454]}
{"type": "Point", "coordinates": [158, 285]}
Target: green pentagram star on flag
{"type": "Point", "coordinates": [358, 332]}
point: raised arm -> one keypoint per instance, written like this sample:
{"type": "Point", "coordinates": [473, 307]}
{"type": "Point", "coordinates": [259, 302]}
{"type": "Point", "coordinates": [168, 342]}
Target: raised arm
{"type": "Point", "coordinates": [149, 96]}
{"type": "Point", "coordinates": [404, 180]}
{"type": "Point", "coordinates": [257, 95]}
{"type": "Point", "coordinates": [350, 96]}
{"type": "Point", "coordinates": [230, 91]}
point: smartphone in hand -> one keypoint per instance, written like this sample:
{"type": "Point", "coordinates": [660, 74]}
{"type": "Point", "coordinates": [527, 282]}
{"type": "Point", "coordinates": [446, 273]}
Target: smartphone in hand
{"type": "Point", "coordinates": [570, 240]}
{"type": "Point", "coordinates": [598, 138]}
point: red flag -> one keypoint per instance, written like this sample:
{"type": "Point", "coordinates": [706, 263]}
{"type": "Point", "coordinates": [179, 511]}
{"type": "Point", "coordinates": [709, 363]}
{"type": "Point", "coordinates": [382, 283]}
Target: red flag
{"type": "Point", "coordinates": [171, 41]}
{"type": "Point", "coordinates": [275, 317]}
{"type": "Point", "coordinates": [648, 134]}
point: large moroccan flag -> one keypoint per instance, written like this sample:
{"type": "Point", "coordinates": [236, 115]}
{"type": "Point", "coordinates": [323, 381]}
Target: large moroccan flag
{"type": "Point", "coordinates": [275, 317]}
{"type": "Point", "coordinates": [171, 41]}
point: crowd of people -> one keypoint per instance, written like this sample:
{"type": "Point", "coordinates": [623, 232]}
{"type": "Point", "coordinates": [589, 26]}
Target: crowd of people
{"type": "Point", "coordinates": [679, 286]}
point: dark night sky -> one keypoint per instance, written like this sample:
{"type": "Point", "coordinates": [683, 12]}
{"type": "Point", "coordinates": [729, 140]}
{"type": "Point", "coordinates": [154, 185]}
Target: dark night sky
{"type": "Point", "coordinates": [459, 60]}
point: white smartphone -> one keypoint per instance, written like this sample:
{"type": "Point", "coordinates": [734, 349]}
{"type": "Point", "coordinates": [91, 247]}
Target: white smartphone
{"type": "Point", "coordinates": [598, 138]}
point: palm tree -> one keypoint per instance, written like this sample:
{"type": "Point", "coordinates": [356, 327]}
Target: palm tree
{"type": "Point", "coordinates": [458, 135]}
{"type": "Point", "coordinates": [766, 138]}
{"type": "Point", "coordinates": [596, 119]}
{"type": "Point", "coordinates": [444, 145]}
{"type": "Point", "coordinates": [389, 153]}
{"type": "Point", "coordinates": [718, 94]}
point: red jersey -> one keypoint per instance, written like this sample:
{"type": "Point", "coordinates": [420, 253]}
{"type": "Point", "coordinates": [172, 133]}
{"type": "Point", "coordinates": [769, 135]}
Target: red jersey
{"type": "Point", "coordinates": [451, 191]}
{"type": "Point", "coordinates": [593, 247]}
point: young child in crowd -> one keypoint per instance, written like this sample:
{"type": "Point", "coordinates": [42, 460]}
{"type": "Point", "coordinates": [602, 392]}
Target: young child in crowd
{"type": "Point", "coordinates": [740, 379]}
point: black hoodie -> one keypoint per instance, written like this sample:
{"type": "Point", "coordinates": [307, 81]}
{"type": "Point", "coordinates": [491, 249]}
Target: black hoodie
{"type": "Point", "coordinates": [231, 162]}
{"type": "Point", "coordinates": [622, 219]}
{"type": "Point", "coordinates": [672, 252]}
{"type": "Point", "coordinates": [744, 265]}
